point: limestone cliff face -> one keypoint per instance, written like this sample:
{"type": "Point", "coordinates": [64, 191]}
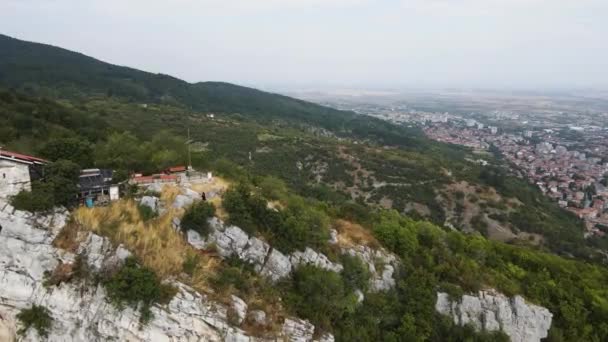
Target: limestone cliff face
{"type": "Point", "coordinates": [492, 311]}
{"type": "Point", "coordinates": [233, 241]}
{"type": "Point", "coordinates": [81, 312]}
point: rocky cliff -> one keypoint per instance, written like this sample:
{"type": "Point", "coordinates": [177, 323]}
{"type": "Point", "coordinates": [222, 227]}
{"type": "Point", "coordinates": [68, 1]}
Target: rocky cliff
{"type": "Point", "coordinates": [81, 312]}
{"type": "Point", "coordinates": [492, 311]}
{"type": "Point", "coordinates": [233, 241]}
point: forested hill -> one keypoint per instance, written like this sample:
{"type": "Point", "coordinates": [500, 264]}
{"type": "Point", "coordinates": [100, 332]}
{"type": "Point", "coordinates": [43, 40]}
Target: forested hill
{"type": "Point", "coordinates": [45, 70]}
{"type": "Point", "coordinates": [39, 67]}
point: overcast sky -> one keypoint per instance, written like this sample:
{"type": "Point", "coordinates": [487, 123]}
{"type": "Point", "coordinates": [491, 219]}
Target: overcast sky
{"type": "Point", "coordinates": [358, 43]}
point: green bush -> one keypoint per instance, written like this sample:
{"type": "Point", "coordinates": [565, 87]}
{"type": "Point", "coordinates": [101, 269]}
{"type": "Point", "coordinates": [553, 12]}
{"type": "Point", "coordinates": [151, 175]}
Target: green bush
{"type": "Point", "coordinates": [189, 265]}
{"type": "Point", "coordinates": [239, 278]}
{"type": "Point", "coordinates": [355, 273]}
{"type": "Point", "coordinates": [62, 175]}
{"type": "Point", "coordinates": [238, 203]}
{"type": "Point", "coordinates": [59, 187]}
{"type": "Point", "coordinates": [319, 296]}
{"type": "Point", "coordinates": [396, 232]}
{"type": "Point", "coordinates": [273, 188]}
{"type": "Point", "coordinates": [229, 169]}
{"type": "Point", "coordinates": [146, 212]}
{"type": "Point", "coordinates": [236, 275]}
{"type": "Point", "coordinates": [301, 224]}
{"type": "Point", "coordinates": [76, 150]}
{"type": "Point", "coordinates": [572, 290]}
{"type": "Point", "coordinates": [38, 200]}
{"type": "Point", "coordinates": [37, 317]}
{"type": "Point", "coordinates": [196, 217]}
{"type": "Point", "coordinates": [133, 285]}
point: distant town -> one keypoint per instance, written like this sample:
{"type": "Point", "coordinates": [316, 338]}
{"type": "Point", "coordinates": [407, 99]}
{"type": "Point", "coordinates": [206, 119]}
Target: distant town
{"type": "Point", "coordinates": [565, 158]}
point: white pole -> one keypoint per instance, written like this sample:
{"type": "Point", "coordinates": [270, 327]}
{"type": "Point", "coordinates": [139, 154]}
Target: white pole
{"type": "Point", "coordinates": [189, 155]}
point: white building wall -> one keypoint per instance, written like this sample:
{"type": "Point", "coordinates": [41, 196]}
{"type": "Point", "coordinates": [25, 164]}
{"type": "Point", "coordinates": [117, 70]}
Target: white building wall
{"type": "Point", "coordinates": [14, 177]}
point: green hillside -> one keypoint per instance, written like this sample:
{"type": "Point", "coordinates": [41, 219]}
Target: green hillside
{"type": "Point", "coordinates": [343, 155]}
{"type": "Point", "coordinates": [45, 70]}
{"type": "Point", "coordinates": [325, 166]}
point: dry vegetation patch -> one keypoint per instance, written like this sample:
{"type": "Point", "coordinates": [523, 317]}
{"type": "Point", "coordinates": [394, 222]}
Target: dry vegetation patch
{"type": "Point", "coordinates": [351, 234]}
{"type": "Point", "coordinates": [218, 185]}
{"type": "Point", "coordinates": [155, 242]}
{"type": "Point", "coordinates": [70, 237]}
{"type": "Point", "coordinates": [169, 192]}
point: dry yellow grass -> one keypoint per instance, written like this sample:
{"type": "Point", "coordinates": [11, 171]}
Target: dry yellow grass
{"type": "Point", "coordinates": [70, 237]}
{"type": "Point", "coordinates": [158, 246]}
{"type": "Point", "coordinates": [155, 243]}
{"type": "Point", "coordinates": [169, 192]}
{"type": "Point", "coordinates": [351, 234]}
{"type": "Point", "coordinates": [217, 185]}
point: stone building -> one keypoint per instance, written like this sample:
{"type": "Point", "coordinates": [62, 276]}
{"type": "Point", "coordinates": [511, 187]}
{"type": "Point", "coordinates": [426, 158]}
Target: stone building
{"type": "Point", "coordinates": [17, 172]}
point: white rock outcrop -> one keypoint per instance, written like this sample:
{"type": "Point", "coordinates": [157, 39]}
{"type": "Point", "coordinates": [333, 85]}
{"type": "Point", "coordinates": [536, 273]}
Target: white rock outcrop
{"type": "Point", "coordinates": [298, 330]}
{"type": "Point", "coordinates": [380, 263]}
{"type": "Point", "coordinates": [81, 312]}
{"type": "Point", "coordinates": [191, 193]}
{"type": "Point", "coordinates": [333, 237]}
{"type": "Point", "coordinates": [257, 317]}
{"type": "Point", "coordinates": [232, 240]}
{"type": "Point", "coordinates": [155, 187]}
{"type": "Point", "coordinates": [277, 266]}
{"type": "Point", "coordinates": [310, 257]}
{"type": "Point", "coordinates": [7, 328]}
{"type": "Point", "coordinates": [182, 201]}
{"type": "Point", "coordinates": [150, 202]}
{"type": "Point", "coordinates": [240, 308]}
{"type": "Point", "coordinates": [492, 311]}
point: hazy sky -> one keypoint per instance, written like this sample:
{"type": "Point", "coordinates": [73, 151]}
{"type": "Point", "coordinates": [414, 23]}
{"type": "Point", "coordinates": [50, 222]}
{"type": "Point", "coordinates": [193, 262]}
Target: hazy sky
{"type": "Point", "coordinates": [361, 43]}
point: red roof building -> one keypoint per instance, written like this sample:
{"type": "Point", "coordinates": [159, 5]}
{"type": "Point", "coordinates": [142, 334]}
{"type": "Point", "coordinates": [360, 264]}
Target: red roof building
{"type": "Point", "coordinates": [21, 158]}
{"type": "Point", "coordinates": [176, 169]}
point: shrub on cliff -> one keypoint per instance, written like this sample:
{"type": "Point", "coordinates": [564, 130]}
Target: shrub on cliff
{"type": "Point", "coordinates": [133, 285]}
{"type": "Point", "coordinates": [319, 296]}
{"type": "Point", "coordinates": [37, 317]}
{"type": "Point", "coordinates": [196, 217]}
{"type": "Point", "coordinates": [58, 187]}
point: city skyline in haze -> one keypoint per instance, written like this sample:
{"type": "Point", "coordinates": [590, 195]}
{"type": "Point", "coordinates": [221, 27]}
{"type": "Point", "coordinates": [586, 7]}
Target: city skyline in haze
{"type": "Point", "coordinates": [517, 44]}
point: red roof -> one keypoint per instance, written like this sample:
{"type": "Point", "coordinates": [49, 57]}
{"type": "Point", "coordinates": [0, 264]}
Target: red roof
{"type": "Point", "coordinates": [22, 157]}
{"type": "Point", "coordinates": [177, 169]}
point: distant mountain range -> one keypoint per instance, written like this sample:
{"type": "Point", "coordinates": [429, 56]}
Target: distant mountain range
{"type": "Point", "coordinates": [45, 70]}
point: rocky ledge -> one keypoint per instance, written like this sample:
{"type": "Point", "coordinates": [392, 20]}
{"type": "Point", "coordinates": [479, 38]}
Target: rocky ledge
{"type": "Point", "coordinates": [82, 313]}
{"type": "Point", "coordinates": [233, 241]}
{"type": "Point", "coordinates": [492, 311]}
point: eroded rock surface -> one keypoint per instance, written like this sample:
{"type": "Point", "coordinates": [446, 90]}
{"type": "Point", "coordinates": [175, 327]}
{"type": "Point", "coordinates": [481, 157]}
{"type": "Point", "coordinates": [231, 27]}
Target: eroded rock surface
{"type": "Point", "coordinates": [232, 240]}
{"type": "Point", "coordinates": [380, 263]}
{"type": "Point", "coordinates": [492, 311]}
{"type": "Point", "coordinates": [150, 202]}
{"type": "Point", "coordinates": [81, 312]}
{"type": "Point", "coordinates": [182, 201]}
{"type": "Point", "coordinates": [310, 257]}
